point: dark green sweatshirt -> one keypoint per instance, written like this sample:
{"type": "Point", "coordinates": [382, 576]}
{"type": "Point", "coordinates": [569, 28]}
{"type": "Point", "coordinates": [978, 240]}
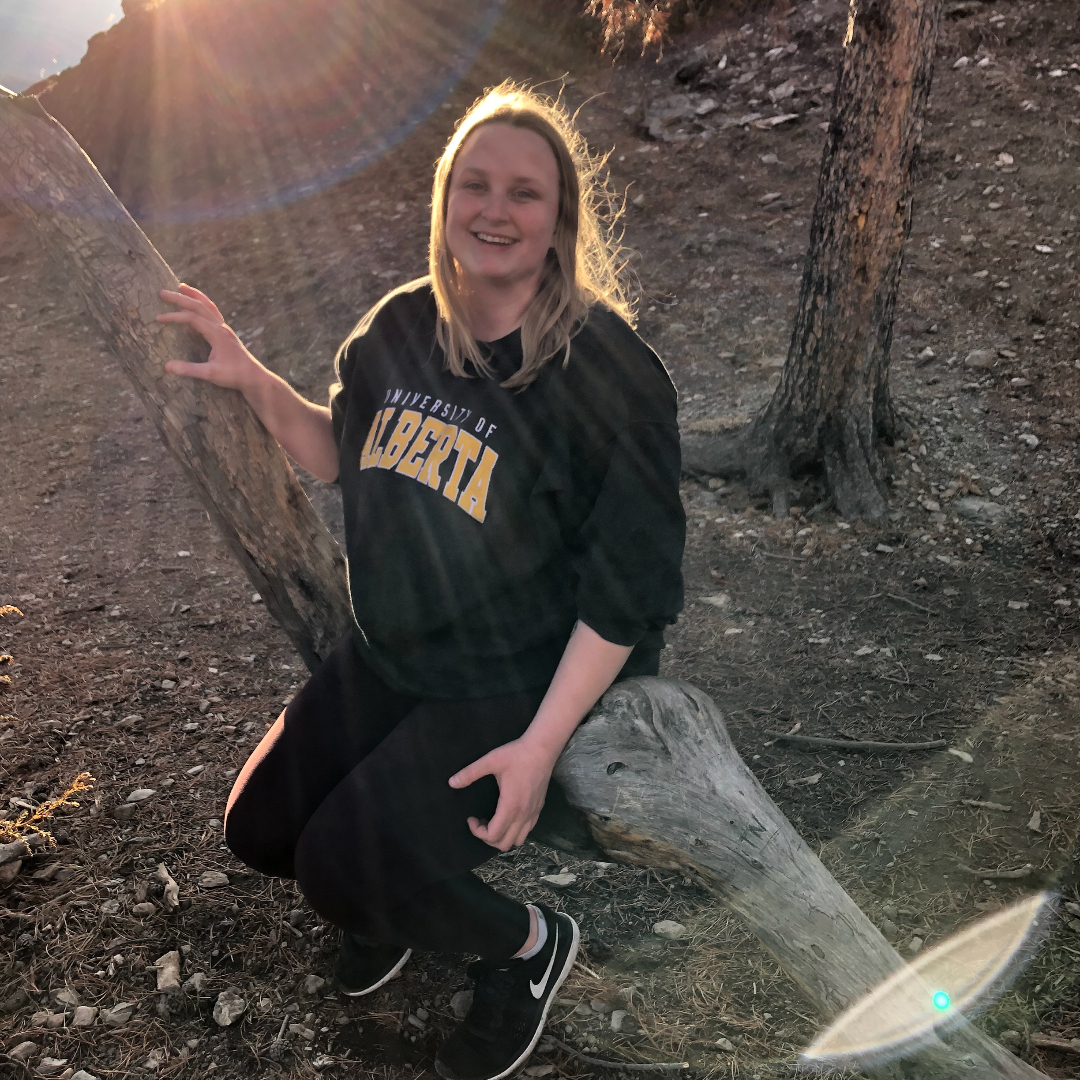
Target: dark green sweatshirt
{"type": "Point", "coordinates": [481, 523]}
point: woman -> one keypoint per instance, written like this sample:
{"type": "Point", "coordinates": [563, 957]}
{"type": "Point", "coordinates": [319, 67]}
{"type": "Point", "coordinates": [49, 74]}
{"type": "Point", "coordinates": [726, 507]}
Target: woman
{"type": "Point", "coordinates": [508, 458]}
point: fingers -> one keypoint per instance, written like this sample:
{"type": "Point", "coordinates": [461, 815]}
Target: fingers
{"type": "Point", "coordinates": [197, 320]}
{"type": "Point", "coordinates": [193, 300]}
{"type": "Point", "coordinates": [480, 767]}
{"type": "Point", "coordinates": [185, 367]}
{"type": "Point", "coordinates": [502, 834]}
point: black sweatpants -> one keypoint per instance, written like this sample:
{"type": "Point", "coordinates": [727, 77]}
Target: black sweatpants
{"type": "Point", "coordinates": [348, 794]}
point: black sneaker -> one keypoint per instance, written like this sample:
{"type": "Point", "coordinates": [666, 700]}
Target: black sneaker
{"type": "Point", "coordinates": [510, 1006]}
{"type": "Point", "coordinates": [363, 966]}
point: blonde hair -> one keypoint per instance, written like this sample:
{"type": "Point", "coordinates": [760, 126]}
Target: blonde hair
{"type": "Point", "coordinates": [586, 264]}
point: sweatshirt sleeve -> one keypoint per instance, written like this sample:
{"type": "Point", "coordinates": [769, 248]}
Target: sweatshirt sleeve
{"type": "Point", "coordinates": [339, 390]}
{"type": "Point", "coordinates": [628, 554]}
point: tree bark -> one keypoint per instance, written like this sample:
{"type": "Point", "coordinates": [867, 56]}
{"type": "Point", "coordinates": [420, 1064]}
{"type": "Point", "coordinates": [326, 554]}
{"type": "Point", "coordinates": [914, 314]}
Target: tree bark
{"type": "Point", "coordinates": [662, 785]}
{"type": "Point", "coordinates": [832, 403]}
{"type": "Point", "coordinates": [237, 468]}
{"type": "Point", "coordinates": [651, 776]}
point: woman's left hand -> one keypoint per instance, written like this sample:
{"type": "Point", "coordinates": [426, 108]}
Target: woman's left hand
{"type": "Point", "coordinates": [522, 772]}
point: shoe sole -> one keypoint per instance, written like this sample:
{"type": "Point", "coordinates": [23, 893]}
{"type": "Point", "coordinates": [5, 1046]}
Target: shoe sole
{"type": "Point", "coordinates": [382, 982]}
{"type": "Point", "coordinates": [571, 956]}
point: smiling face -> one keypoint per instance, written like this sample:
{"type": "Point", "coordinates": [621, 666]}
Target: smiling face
{"type": "Point", "coordinates": [502, 206]}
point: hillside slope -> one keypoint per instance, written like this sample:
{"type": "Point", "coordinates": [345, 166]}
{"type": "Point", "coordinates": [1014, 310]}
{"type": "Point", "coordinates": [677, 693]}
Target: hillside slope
{"type": "Point", "coordinates": [193, 109]}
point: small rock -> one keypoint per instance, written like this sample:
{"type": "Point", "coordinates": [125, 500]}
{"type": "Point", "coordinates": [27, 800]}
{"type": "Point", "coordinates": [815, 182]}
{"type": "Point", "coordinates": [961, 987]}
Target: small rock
{"type": "Point", "coordinates": [1019, 605]}
{"type": "Point", "coordinates": [926, 355]}
{"type": "Point", "coordinates": [416, 1022]}
{"type": "Point", "coordinates": [213, 879]}
{"type": "Point", "coordinates": [50, 1066]}
{"type": "Point", "coordinates": [559, 881]}
{"type": "Point", "coordinates": [423, 1014]}
{"type": "Point", "coordinates": [618, 1017]}
{"type": "Point", "coordinates": [168, 684]}
{"type": "Point", "coordinates": [195, 769]}
{"type": "Point", "coordinates": [141, 794]}
{"type": "Point", "coordinates": [931, 505]}
{"type": "Point", "coordinates": [124, 812]}
{"type": "Point", "coordinates": [168, 972]}
{"type": "Point", "coordinates": [972, 507]}
{"type": "Point", "coordinates": [598, 1005]}
{"type": "Point", "coordinates": [195, 983]}
{"type": "Point", "coordinates": [1035, 821]}
{"type": "Point", "coordinates": [256, 598]}
{"type": "Point", "coordinates": [540, 1070]}
{"type": "Point", "coordinates": [1029, 438]}
{"type": "Point", "coordinates": [915, 944]}
{"type": "Point", "coordinates": [66, 997]}
{"type": "Point", "coordinates": [311, 985]}
{"type": "Point", "coordinates": [1011, 1039]}
{"type": "Point", "coordinates": [24, 1051]}
{"type": "Point", "coordinates": [110, 907]}
{"type": "Point", "coordinates": [668, 928]}
{"type": "Point", "coordinates": [204, 705]}
{"type": "Point", "coordinates": [14, 1002]}
{"type": "Point", "coordinates": [120, 1014]}
{"type": "Point", "coordinates": [38, 1019]}
{"type": "Point", "coordinates": [85, 1016]}
{"type": "Point", "coordinates": [890, 929]}
{"type": "Point", "coordinates": [55, 1021]}
{"type": "Point", "coordinates": [720, 600]}
{"type": "Point", "coordinates": [229, 1007]}
{"type": "Point", "coordinates": [304, 1032]}
{"type": "Point", "coordinates": [583, 1010]}
{"type": "Point", "coordinates": [725, 1044]}
{"type": "Point", "coordinates": [141, 911]}
{"type": "Point", "coordinates": [980, 359]}
{"type": "Point", "coordinates": [461, 1003]}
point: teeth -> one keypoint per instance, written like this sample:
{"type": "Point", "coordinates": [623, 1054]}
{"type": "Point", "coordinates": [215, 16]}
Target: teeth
{"type": "Point", "coordinates": [488, 238]}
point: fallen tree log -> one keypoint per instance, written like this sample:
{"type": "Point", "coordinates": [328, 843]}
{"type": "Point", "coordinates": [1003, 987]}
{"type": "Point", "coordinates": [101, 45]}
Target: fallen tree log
{"type": "Point", "coordinates": [651, 776]}
{"type": "Point", "coordinates": [662, 785]}
{"type": "Point", "coordinates": [235, 466]}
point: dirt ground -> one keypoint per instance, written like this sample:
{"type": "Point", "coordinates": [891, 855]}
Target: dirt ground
{"type": "Point", "coordinates": [142, 657]}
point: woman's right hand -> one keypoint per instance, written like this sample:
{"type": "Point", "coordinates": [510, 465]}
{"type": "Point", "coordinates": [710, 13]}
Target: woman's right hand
{"type": "Point", "coordinates": [229, 364]}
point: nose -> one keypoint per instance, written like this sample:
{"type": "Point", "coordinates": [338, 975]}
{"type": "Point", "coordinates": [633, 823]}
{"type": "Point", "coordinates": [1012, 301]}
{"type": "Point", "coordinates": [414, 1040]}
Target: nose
{"type": "Point", "coordinates": [496, 207]}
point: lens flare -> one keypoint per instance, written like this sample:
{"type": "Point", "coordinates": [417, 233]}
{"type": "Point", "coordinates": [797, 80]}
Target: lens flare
{"type": "Point", "coordinates": [196, 111]}
{"type": "Point", "coordinates": [949, 980]}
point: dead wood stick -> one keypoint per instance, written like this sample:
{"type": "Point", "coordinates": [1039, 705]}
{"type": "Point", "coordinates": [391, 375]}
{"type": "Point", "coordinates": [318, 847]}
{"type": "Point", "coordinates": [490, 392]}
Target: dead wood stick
{"type": "Point", "coordinates": [983, 805]}
{"type": "Point", "coordinates": [659, 1066]}
{"type": "Point", "coordinates": [1053, 1042]}
{"type": "Point", "coordinates": [910, 603]}
{"type": "Point", "coordinates": [1000, 875]}
{"type": "Point", "coordinates": [17, 849]}
{"type": "Point", "coordinates": [855, 744]}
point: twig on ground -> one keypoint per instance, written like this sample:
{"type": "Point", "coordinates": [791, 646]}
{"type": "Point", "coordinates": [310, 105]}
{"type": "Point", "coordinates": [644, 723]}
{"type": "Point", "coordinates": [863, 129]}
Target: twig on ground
{"type": "Point", "coordinates": [855, 744]}
{"type": "Point", "coordinates": [1053, 1042]}
{"type": "Point", "coordinates": [1000, 875]}
{"type": "Point", "coordinates": [659, 1066]}
{"type": "Point", "coordinates": [821, 507]}
{"type": "Point", "coordinates": [774, 555]}
{"type": "Point", "coordinates": [910, 603]}
{"type": "Point", "coordinates": [983, 805]}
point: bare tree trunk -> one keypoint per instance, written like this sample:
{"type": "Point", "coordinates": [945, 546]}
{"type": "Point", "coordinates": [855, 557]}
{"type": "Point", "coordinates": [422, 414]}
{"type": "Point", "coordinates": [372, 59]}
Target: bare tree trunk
{"type": "Point", "coordinates": [652, 773]}
{"type": "Point", "coordinates": [832, 402]}
{"type": "Point", "coordinates": [237, 468]}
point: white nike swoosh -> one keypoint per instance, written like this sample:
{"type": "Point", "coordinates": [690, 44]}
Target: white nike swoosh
{"type": "Point", "coordinates": [537, 989]}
